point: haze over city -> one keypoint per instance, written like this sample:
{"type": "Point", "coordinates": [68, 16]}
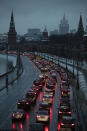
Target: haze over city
{"type": "Point", "coordinates": [38, 13]}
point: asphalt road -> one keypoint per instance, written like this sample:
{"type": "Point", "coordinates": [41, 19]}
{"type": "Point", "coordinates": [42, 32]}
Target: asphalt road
{"type": "Point", "coordinates": [9, 97]}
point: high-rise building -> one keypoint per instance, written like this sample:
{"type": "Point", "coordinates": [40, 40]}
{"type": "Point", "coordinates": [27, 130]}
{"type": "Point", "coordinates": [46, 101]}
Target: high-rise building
{"type": "Point", "coordinates": [12, 34]}
{"type": "Point", "coordinates": [80, 30]}
{"type": "Point", "coordinates": [64, 26]}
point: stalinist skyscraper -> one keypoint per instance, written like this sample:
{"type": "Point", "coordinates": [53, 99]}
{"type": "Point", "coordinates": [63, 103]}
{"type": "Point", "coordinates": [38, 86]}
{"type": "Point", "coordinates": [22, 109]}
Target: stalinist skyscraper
{"type": "Point", "coordinates": [12, 34]}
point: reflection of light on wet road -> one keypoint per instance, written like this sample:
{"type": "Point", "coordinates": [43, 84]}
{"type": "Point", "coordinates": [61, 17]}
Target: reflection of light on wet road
{"type": "Point", "coordinates": [53, 99]}
{"type": "Point", "coordinates": [13, 125]}
{"type": "Point", "coordinates": [50, 113]}
{"type": "Point", "coordinates": [40, 96]}
{"type": "Point", "coordinates": [21, 126]}
{"type": "Point", "coordinates": [46, 128]}
{"type": "Point", "coordinates": [58, 126]}
{"type": "Point", "coordinates": [27, 116]}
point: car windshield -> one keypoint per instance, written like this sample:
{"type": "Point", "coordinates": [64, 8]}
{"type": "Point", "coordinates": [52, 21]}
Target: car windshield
{"type": "Point", "coordinates": [67, 120]}
{"type": "Point", "coordinates": [43, 113]}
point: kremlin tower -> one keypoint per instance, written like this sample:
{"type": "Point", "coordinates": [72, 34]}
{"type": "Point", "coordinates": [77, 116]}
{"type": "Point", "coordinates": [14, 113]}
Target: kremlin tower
{"type": "Point", "coordinates": [12, 35]}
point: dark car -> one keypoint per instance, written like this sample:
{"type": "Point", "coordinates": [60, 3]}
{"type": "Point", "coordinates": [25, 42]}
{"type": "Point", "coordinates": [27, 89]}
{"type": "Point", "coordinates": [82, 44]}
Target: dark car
{"type": "Point", "coordinates": [31, 97]}
{"type": "Point", "coordinates": [31, 92]}
{"type": "Point", "coordinates": [65, 101]}
{"type": "Point", "coordinates": [64, 111]}
{"type": "Point", "coordinates": [65, 88]}
{"type": "Point", "coordinates": [50, 85]}
{"type": "Point", "coordinates": [36, 127]}
{"type": "Point", "coordinates": [67, 122]}
{"type": "Point", "coordinates": [44, 106]}
{"type": "Point", "coordinates": [18, 115]}
{"type": "Point", "coordinates": [36, 82]}
{"type": "Point", "coordinates": [65, 94]}
{"type": "Point", "coordinates": [23, 103]}
{"type": "Point", "coordinates": [34, 89]}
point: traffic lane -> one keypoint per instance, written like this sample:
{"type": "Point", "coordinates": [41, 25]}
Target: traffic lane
{"type": "Point", "coordinates": [30, 116]}
{"type": "Point", "coordinates": [54, 110]}
{"type": "Point", "coordinates": [16, 91]}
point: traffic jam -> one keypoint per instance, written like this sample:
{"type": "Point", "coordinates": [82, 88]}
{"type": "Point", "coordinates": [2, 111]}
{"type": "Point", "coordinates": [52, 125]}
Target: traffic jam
{"type": "Point", "coordinates": [47, 104]}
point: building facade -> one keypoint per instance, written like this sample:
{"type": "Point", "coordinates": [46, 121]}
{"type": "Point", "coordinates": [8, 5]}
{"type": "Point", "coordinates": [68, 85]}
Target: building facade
{"type": "Point", "coordinates": [64, 26]}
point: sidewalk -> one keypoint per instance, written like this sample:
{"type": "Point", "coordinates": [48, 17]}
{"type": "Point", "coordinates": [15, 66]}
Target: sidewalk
{"type": "Point", "coordinates": [12, 76]}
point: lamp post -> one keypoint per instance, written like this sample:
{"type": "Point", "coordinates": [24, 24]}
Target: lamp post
{"type": "Point", "coordinates": [77, 84]}
{"type": "Point", "coordinates": [7, 65]}
{"type": "Point", "coordinates": [18, 58]}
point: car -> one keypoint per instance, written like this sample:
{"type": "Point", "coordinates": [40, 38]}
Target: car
{"type": "Point", "coordinates": [51, 91]}
{"type": "Point", "coordinates": [50, 85]}
{"type": "Point", "coordinates": [36, 82]}
{"type": "Point", "coordinates": [48, 100]}
{"type": "Point", "coordinates": [64, 101]}
{"type": "Point", "coordinates": [48, 95]}
{"type": "Point", "coordinates": [30, 92]}
{"type": "Point", "coordinates": [65, 94]}
{"type": "Point", "coordinates": [44, 106]}
{"type": "Point", "coordinates": [65, 88]}
{"type": "Point", "coordinates": [67, 122]}
{"type": "Point", "coordinates": [45, 93]}
{"type": "Point", "coordinates": [34, 89]}
{"type": "Point", "coordinates": [36, 127]}
{"type": "Point", "coordinates": [23, 103]}
{"type": "Point", "coordinates": [31, 97]}
{"type": "Point", "coordinates": [40, 86]}
{"type": "Point", "coordinates": [18, 115]}
{"type": "Point", "coordinates": [64, 111]}
{"type": "Point", "coordinates": [42, 116]}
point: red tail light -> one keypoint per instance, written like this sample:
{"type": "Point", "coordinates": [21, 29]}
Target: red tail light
{"type": "Point", "coordinates": [62, 124]}
{"type": "Point", "coordinates": [27, 103]}
{"type": "Point", "coordinates": [60, 112]}
{"type": "Point", "coordinates": [69, 112]}
{"type": "Point", "coordinates": [18, 103]}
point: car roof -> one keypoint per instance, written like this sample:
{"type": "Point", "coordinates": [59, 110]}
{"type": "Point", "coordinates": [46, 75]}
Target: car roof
{"type": "Point", "coordinates": [43, 111]}
{"type": "Point", "coordinates": [36, 127]}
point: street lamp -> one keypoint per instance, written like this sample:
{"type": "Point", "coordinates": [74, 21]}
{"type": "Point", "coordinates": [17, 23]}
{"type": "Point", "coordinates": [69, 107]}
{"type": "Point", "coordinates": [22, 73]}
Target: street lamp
{"type": "Point", "coordinates": [18, 59]}
{"type": "Point", "coordinates": [7, 65]}
{"type": "Point", "coordinates": [77, 84]}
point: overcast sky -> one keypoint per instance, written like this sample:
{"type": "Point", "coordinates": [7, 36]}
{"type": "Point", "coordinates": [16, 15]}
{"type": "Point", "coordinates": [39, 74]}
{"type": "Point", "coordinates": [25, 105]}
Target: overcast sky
{"type": "Point", "coordinates": [38, 13]}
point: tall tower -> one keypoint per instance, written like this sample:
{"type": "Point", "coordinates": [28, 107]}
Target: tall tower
{"type": "Point", "coordinates": [12, 35]}
{"type": "Point", "coordinates": [64, 26]}
{"type": "Point", "coordinates": [80, 30]}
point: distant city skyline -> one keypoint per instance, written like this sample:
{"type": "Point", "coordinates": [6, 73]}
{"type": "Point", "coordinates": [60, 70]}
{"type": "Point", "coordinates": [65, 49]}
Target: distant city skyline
{"type": "Point", "coordinates": [38, 13]}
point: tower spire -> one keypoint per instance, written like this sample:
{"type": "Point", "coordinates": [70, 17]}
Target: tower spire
{"type": "Point", "coordinates": [12, 24]}
{"type": "Point", "coordinates": [80, 26]}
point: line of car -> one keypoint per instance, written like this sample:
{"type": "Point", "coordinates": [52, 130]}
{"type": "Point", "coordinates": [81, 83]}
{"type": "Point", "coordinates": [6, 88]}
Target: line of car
{"type": "Point", "coordinates": [48, 92]}
{"type": "Point", "coordinates": [65, 119]}
{"type": "Point", "coordinates": [46, 84]}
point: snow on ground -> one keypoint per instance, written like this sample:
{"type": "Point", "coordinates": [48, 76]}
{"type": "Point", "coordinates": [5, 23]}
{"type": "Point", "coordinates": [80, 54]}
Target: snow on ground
{"type": "Point", "coordinates": [3, 63]}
